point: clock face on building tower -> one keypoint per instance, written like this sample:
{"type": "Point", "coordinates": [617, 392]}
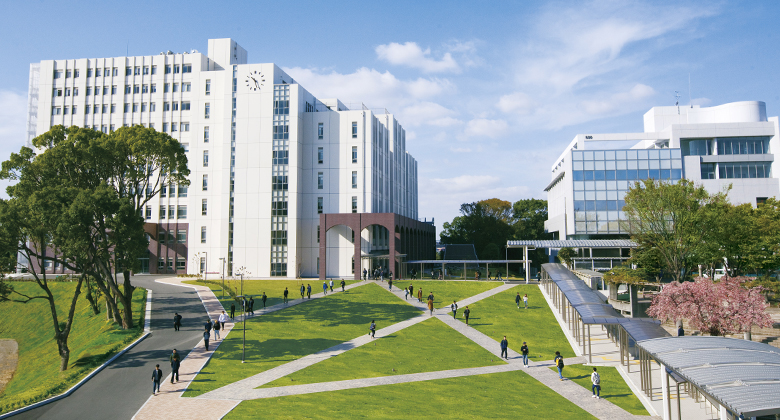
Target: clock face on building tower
{"type": "Point", "coordinates": [255, 81]}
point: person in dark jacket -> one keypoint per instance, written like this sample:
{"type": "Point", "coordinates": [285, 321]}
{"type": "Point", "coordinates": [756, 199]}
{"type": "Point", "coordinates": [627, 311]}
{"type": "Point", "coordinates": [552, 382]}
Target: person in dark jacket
{"type": "Point", "coordinates": [176, 321]}
{"type": "Point", "coordinates": [680, 331]}
{"type": "Point", "coordinates": [286, 292]}
{"type": "Point", "coordinates": [504, 347]}
{"type": "Point", "coordinates": [524, 350]}
{"type": "Point", "coordinates": [466, 313]}
{"type": "Point", "coordinates": [232, 310]}
{"type": "Point", "coordinates": [252, 305]}
{"type": "Point", "coordinates": [308, 291]}
{"type": "Point", "coordinates": [264, 298]}
{"type": "Point", "coordinates": [343, 283]}
{"type": "Point", "coordinates": [559, 364]}
{"type": "Point", "coordinates": [206, 337]}
{"type": "Point", "coordinates": [454, 308]}
{"type": "Point", "coordinates": [208, 325]}
{"type": "Point", "coordinates": [157, 375]}
{"type": "Point", "coordinates": [175, 363]}
{"type": "Point", "coordinates": [303, 291]}
{"type": "Point", "coordinates": [517, 300]}
{"type": "Point", "coordinates": [372, 329]}
{"type": "Point", "coordinates": [216, 330]}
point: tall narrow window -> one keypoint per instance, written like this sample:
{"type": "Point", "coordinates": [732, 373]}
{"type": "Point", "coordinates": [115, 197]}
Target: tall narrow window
{"type": "Point", "coordinates": [319, 206]}
{"type": "Point", "coordinates": [207, 111]}
{"type": "Point", "coordinates": [320, 155]}
{"type": "Point", "coordinates": [354, 209]}
{"type": "Point", "coordinates": [148, 212]}
{"type": "Point", "coordinates": [208, 86]}
{"type": "Point", "coordinates": [205, 134]}
{"type": "Point", "coordinates": [203, 234]}
{"type": "Point", "coordinates": [181, 212]}
{"type": "Point", "coordinates": [162, 212]}
{"type": "Point", "coordinates": [320, 131]}
{"type": "Point", "coordinates": [354, 154]}
{"type": "Point", "coordinates": [354, 129]}
{"type": "Point", "coordinates": [354, 179]}
{"type": "Point", "coordinates": [171, 212]}
{"type": "Point", "coordinates": [204, 207]}
{"type": "Point", "coordinates": [205, 182]}
{"type": "Point", "coordinates": [205, 158]}
{"type": "Point", "coordinates": [320, 180]}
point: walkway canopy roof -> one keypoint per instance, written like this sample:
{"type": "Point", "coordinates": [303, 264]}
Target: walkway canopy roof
{"type": "Point", "coordinates": [580, 243]}
{"type": "Point", "coordinates": [742, 375]}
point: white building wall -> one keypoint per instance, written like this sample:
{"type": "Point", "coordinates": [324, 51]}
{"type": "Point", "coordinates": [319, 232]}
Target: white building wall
{"type": "Point", "coordinates": [387, 174]}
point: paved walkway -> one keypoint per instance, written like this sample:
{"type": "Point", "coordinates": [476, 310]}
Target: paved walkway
{"type": "Point", "coordinates": [217, 403]}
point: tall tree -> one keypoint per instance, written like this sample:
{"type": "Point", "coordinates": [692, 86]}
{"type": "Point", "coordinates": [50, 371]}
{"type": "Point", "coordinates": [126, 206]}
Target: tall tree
{"type": "Point", "coordinates": [528, 217]}
{"type": "Point", "coordinates": [478, 225]}
{"type": "Point", "coordinates": [670, 219]}
{"type": "Point", "coordinates": [717, 308]}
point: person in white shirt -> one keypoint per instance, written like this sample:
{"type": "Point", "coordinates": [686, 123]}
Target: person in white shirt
{"type": "Point", "coordinates": [223, 319]}
{"type": "Point", "coordinates": [525, 301]}
{"type": "Point", "coordinates": [596, 380]}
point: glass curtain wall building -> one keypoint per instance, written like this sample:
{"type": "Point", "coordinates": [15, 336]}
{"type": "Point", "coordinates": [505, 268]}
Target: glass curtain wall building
{"type": "Point", "coordinates": [731, 144]}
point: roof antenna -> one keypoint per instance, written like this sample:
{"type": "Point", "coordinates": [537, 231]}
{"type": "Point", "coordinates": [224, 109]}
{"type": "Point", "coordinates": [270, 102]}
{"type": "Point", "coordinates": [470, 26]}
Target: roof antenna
{"type": "Point", "coordinates": [677, 101]}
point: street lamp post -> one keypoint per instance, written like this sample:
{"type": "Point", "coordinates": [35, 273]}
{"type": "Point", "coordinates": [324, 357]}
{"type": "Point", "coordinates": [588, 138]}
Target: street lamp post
{"type": "Point", "coordinates": [223, 277]}
{"type": "Point", "coordinates": [242, 270]}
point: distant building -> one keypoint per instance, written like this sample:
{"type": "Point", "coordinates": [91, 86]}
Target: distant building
{"type": "Point", "coordinates": [266, 157]}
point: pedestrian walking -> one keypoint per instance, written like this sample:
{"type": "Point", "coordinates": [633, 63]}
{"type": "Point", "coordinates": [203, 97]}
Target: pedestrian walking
{"type": "Point", "coordinates": [175, 363]}
{"type": "Point", "coordinates": [525, 300]}
{"type": "Point", "coordinates": [466, 313]}
{"type": "Point", "coordinates": [419, 295]}
{"type": "Point", "coordinates": [372, 329]}
{"type": "Point", "coordinates": [390, 283]}
{"type": "Point", "coordinates": [595, 378]}
{"type": "Point", "coordinates": [222, 319]}
{"type": "Point", "coordinates": [504, 348]}
{"type": "Point", "coordinates": [365, 274]}
{"type": "Point", "coordinates": [488, 275]}
{"type": "Point", "coordinates": [524, 350]}
{"type": "Point", "coordinates": [264, 298]}
{"type": "Point", "coordinates": [208, 325]}
{"type": "Point", "coordinates": [430, 303]}
{"type": "Point", "coordinates": [680, 331]}
{"type": "Point", "coordinates": [308, 290]}
{"type": "Point", "coordinates": [498, 276]}
{"type": "Point", "coordinates": [303, 291]}
{"type": "Point", "coordinates": [157, 375]}
{"type": "Point", "coordinates": [285, 295]}
{"type": "Point", "coordinates": [206, 337]}
{"type": "Point", "coordinates": [559, 364]}
{"type": "Point", "coordinates": [517, 300]}
{"type": "Point", "coordinates": [411, 290]}
{"type": "Point", "coordinates": [251, 305]}
{"type": "Point", "coordinates": [406, 294]}
{"type": "Point", "coordinates": [330, 284]}
{"type": "Point", "coordinates": [176, 321]}
{"type": "Point", "coordinates": [216, 330]}
{"type": "Point", "coordinates": [343, 283]}
{"type": "Point", "coordinates": [324, 288]}
{"type": "Point", "coordinates": [454, 308]}
{"type": "Point", "coordinates": [232, 310]}
{"type": "Point", "coordinates": [382, 275]}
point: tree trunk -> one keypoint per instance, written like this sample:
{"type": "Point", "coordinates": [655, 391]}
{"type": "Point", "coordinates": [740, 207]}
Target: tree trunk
{"type": "Point", "coordinates": [127, 302]}
{"type": "Point", "coordinates": [62, 347]}
{"type": "Point", "coordinates": [91, 298]}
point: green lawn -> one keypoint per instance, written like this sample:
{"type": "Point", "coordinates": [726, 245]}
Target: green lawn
{"type": "Point", "coordinates": [92, 341]}
{"type": "Point", "coordinates": [498, 315]}
{"type": "Point", "coordinates": [497, 396]}
{"type": "Point", "coordinates": [290, 334]}
{"type": "Point", "coordinates": [613, 387]}
{"type": "Point", "coordinates": [274, 289]}
{"type": "Point", "coordinates": [428, 346]}
{"type": "Point", "coordinates": [445, 292]}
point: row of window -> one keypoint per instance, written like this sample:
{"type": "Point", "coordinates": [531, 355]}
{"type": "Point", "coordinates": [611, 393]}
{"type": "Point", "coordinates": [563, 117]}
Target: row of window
{"type": "Point", "coordinates": [128, 107]}
{"type": "Point", "coordinates": [320, 205]}
{"type": "Point", "coordinates": [321, 128]}
{"type": "Point", "coordinates": [129, 71]}
{"type": "Point", "coordinates": [725, 146]}
{"type": "Point", "coordinates": [173, 212]}
{"type": "Point", "coordinates": [162, 263]}
{"type": "Point", "coordinates": [736, 170]}
{"type": "Point", "coordinates": [172, 236]}
{"type": "Point", "coordinates": [627, 174]}
{"type": "Point", "coordinates": [321, 179]}
{"type": "Point", "coordinates": [628, 154]}
{"type": "Point", "coordinates": [321, 154]}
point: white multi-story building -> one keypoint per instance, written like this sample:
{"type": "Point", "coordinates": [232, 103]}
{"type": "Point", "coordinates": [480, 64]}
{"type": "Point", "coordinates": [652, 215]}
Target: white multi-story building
{"type": "Point", "coordinates": [734, 143]}
{"type": "Point", "coordinates": [266, 157]}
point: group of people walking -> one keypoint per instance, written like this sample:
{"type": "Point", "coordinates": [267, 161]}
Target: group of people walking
{"type": "Point", "coordinates": [379, 273]}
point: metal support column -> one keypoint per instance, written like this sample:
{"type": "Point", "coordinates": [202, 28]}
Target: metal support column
{"type": "Point", "coordinates": [590, 347]}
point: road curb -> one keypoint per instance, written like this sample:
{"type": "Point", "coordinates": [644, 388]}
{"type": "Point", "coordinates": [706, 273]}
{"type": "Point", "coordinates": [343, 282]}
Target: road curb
{"type": "Point", "coordinates": [78, 385]}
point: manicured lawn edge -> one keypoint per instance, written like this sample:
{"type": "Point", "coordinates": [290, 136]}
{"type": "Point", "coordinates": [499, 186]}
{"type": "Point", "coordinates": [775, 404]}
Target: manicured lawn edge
{"type": "Point", "coordinates": [613, 387]}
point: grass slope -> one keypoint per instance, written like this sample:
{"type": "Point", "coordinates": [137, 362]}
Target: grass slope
{"type": "Point", "coordinates": [274, 289]}
{"type": "Point", "coordinates": [498, 315]}
{"type": "Point", "coordinates": [289, 334]}
{"type": "Point", "coordinates": [445, 292]}
{"type": "Point", "coordinates": [497, 396]}
{"type": "Point", "coordinates": [92, 341]}
{"type": "Point", "coordinates": [428, 346]}
{"type": "Point", "coordinates": [613, 387]}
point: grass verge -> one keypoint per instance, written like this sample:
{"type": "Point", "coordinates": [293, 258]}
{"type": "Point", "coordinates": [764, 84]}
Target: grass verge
{"type": "Point", "coordinates": [613, 388]}
{"type": "Point", "coordinates": [496, 396]}
{"type": "Point", "coordinates": [92, 341]}
{"type": "Point", "coordinates": [426, 347]}
{"type": "Point", "coordinates": [444, 292]}
{"type": "Point", "coordinates": [498, 316]}
{"type": "Point", "coordinates": [283, 336]}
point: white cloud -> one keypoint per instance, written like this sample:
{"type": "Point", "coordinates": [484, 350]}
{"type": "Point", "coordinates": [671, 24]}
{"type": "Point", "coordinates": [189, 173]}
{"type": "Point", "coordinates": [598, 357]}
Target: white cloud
{"type": "Point", "coordinates": [370, 86]}
{"type": "Point", "coordinates": [429, 113]}
{"type": "Point", "coordinates": [13, 127]}
{"type": "Point", "coordinates": [411, 55]}
{"type": "Point", "coordinates": [483, 127]}
{"type": "Point", "coordinates": [517, 102]}
{"type": "Point", "coordinates": [619, 100]}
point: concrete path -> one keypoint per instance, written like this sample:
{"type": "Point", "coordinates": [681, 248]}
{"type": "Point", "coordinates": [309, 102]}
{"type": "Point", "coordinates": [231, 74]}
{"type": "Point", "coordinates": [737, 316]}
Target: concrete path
{"type": "Point", "coordinates": [122, 387]}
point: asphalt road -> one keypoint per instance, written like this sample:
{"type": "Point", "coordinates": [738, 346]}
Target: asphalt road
{"type": "Point", "coordinates": [119, 390]}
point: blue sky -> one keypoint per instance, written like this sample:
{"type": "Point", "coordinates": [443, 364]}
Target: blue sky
{"type": "Point", "coordinates": [489, 93]}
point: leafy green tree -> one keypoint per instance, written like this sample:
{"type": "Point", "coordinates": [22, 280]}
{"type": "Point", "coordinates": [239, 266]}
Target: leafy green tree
{"type": "Point", "coordinates": [649, 261]}
{"type": "Point", "coordinates": [528, 217]}
{"type": "Point", "coordinates": [624, 274]}
{"type": "Point", "coordinates": [479, 224]}
{"type": "Point", "coordinates": [670, 219]}
{"type": "Point", "coordinates": [566, 255]}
